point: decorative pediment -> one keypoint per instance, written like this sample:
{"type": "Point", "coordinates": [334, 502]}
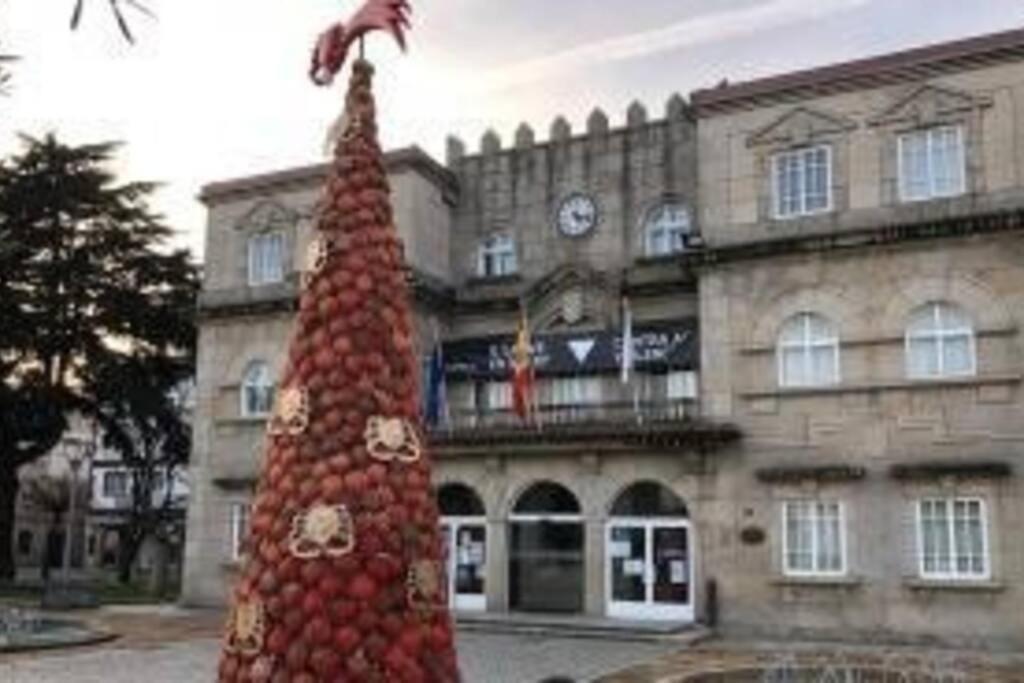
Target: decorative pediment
{"type": "Point", "coordinates": [267, 215]}
{"type": "Point", "coordinates": [800, 126]}
{"type": "Point", "coordinates": [929, 104]}
{"type": "Point", "coordinates": [569, 296]}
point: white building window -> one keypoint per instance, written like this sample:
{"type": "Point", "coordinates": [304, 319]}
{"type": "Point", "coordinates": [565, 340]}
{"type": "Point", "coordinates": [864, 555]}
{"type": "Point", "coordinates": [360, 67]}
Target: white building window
{"type": "Point", "coordinates": [802, 181]}
{"type": "Point", "coordinates": [574, 391]}
{"type": "Point", "coordinates": [931, 163]}
{"type": "Point", "coordinates": [940, 342]}
{"type": "Point", "coordinates": [498, 396]}
{"type": "Point", "coordinates": [808, 352]}
{"type": "Point", "coordinates": [814, 538]}
{"type": "Point", "coordinates": [681, 385]}
{"type": "Point", "coordinates": [239, 531]}
{"type": "Point", "coordinates": [115, 484]}
{"type": "Point", "coordinates": [266, 259]}
{"type": "Point", "coordinates": [497, 256]}
{"type": "Point", "coordinates": [952, 539]}
{"type": "Point", "coordinates": [666, 229]}
{"type": "Point", "coordinates": [257, 390]}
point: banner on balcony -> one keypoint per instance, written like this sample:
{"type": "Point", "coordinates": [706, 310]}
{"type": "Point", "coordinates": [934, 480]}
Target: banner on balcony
{"type": "Point", "coordinates": [657, 347]}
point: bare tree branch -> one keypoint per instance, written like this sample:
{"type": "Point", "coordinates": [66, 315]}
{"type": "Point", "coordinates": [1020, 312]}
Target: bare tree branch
{"type": "Point", "coordinates": [116, 10]}
{"type": "Point", "coordinates": [5, 74]}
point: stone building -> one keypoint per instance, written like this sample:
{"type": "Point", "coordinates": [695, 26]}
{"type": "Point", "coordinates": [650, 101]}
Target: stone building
{"type": "Point", "coordinates": [41, 516]}
{"type": "Point", "coordinates": [825, 276]}
{"type": "Point", "coordinates": [862, 293]}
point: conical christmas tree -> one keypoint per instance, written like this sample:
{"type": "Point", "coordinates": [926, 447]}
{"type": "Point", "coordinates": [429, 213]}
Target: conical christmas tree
{"type": "Point", "coordinates": [345, 577]}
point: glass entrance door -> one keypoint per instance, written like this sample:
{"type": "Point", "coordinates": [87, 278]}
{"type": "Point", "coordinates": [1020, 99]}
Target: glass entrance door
{"type": "Point", "coordinates": [650, 570]}
{"type": "Point", "coordinates": [546, 565]}
{"type": "Point", "coordinates": [466, 541]}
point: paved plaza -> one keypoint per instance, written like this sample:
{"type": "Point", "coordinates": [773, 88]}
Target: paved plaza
{"type": "Point", "coordinates": [171, 646]}
{"type": "Point", "coordinates": [485, 659]}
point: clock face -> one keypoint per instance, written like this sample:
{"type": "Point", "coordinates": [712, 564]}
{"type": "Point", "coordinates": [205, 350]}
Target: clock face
{"type": "Point", "coordinates": [577, 215]}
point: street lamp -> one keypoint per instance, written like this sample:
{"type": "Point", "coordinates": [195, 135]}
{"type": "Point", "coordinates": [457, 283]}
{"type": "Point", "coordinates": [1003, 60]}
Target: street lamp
{"type": "Point", "coordinates": [75, 452]}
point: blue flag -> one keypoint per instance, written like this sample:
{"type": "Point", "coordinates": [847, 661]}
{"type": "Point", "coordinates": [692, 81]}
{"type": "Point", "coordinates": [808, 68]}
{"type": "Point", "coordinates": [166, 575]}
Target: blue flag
{"type": "Point", "coordinates": [435, 398]}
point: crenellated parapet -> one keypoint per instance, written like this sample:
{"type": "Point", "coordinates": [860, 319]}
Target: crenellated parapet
{"type": "Point", "coordinates": [677, 113]}
{"type": "Point", "coordinates": [515, 183]}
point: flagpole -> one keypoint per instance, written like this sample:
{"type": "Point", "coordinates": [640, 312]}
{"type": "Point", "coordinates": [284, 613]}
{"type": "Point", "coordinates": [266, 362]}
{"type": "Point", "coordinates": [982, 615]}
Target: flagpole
{"type": "Point", "coordinates": [446, 413]}
{"type": "Point", "coordinates": [628, 359]}
{"type": "Point", "coordinates": [533, 403]}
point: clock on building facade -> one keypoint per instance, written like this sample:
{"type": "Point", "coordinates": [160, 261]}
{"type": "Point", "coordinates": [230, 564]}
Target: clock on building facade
{"type": "Point", "coordinates": [577, 215]}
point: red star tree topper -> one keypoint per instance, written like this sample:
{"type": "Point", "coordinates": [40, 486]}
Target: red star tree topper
{"type": "Point", "coordinates": [345, 577]}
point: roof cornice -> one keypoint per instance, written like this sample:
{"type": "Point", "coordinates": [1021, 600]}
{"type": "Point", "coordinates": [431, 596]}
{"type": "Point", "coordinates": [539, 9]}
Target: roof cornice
{"type": "Point", "coordinates": [863, 74]}
{"type": "Point", "coordinates": [1007, 220]}
{"type": "Point", "coordinates": [314, 175]}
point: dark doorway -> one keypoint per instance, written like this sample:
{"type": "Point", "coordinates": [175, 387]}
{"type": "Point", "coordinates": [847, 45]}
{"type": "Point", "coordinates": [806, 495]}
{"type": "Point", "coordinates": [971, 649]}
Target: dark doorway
{"type": "Point", "coordinates": [546, 551]}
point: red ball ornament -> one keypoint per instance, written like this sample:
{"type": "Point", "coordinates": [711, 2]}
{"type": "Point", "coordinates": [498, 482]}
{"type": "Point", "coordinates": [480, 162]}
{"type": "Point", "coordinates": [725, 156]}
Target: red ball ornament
{"type": "Point", "coordinates": [331, 597]}
{"type": "Point", "coordinates": [346, 639]}
{"type": "Point", "coordinates": [362, 587]}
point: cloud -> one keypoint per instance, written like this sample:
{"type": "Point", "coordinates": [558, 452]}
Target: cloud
{"type": "Point", "coordinates": [715, 27]}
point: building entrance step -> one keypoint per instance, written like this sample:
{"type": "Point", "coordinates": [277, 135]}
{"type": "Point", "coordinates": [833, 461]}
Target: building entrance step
{"type": "Point", "coordinates": [684, 634]}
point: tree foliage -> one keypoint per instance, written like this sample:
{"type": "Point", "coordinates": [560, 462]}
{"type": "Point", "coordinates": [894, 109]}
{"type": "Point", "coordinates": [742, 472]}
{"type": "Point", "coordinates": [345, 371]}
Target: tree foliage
{"type": "Point", "coordinates": [95, 310]}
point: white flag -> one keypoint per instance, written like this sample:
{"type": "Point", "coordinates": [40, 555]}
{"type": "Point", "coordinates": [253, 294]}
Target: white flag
{"type": "Point", "coordinates": [627, 341]}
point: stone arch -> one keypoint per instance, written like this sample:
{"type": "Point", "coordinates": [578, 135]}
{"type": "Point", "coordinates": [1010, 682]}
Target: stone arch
{"type": "Point", "coordinates": [639, 238]}
{"type": "Point", "coordinates": [242, 350]}
{"type": "Point", "coordinates": [828, 301]}
{"type": "Point", "coordinates": [465, 500]}
{"type": "Point", "coordinates": [265, 215]}
{"type": "Point", "coordinates": [977, 300]}
{"type": "Point", "coordinates": [634, 499]}
{"type": "Point", "coordinates": [516, 496]}
{"type": "Point", "coordinates": [546, 299]}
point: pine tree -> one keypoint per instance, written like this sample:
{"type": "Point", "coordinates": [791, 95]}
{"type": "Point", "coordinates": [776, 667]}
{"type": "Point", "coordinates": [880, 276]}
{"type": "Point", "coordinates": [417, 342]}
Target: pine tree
{"type": "Point", "coordinates": [90, 294]}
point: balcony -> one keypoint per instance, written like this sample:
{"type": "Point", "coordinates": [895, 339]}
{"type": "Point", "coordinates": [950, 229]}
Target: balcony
{"type": "Point", "coordinates": [575, 414]}
{"type": "Point", "coordinates": [666, 424]}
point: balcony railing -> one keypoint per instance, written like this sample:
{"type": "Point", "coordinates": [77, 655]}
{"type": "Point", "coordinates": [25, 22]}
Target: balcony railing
{"type": "Point", "coordinates": [625, 413]}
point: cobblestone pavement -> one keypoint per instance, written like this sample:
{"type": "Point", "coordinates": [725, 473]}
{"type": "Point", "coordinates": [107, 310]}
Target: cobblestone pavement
{"type": "Point", "coordinates": [184, 650]}
{"type": "Point", "coordinates": [834, 663]}
{"type": "Point", "coordinates": [177, 647]}
{"type": "Point", "coordinates": [485, 659]}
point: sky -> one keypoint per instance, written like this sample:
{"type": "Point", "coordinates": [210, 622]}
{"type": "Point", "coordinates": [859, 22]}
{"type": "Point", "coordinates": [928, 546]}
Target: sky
{"type": "Point", "coordinates": [217, 89]}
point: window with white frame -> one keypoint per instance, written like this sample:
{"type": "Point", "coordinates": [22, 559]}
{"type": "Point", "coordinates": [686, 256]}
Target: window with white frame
{"type": "Point", "coordinates": [239, 531]}
{"type": "Point", "coordinates": [498, 396]}
{"type": "Point", "coordinates": [940, 342]}
{"type": "Point", "coordinates": [952, 539]}
{"type": "Point", "coordinates": [802, 181]}
{"type": "Point", "coordinates": [257, 390]}
{"type": "Point", "coordinates": [666, 229]}
{"type": "Point", "coordinates": [497, 256]}
{"type": "Point", "coordinates": [808, 351]}
{"type": "Point", "coordinates": [681, 385]}
{"type": "Point", "coordinates": [574, 391]}
{"type": "Point", "coordinates": [814, 538]}
{"type": "Point", "coordinates": [931, 163]}
{"type": "Point", "coordinates": [266, 259]}
{"type": "Point", "coordinates": [115, 484]}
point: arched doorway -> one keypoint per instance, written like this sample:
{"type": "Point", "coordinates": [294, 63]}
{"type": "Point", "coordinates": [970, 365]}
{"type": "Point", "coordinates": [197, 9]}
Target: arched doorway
{"type": "Point", "coordinates": [649, 553]}
{"type": "Point", "coordinates": [464, 529]}
{"type": "Point", "coordinates": [546, 551]}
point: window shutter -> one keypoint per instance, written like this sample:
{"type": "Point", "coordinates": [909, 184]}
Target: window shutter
{"type": "Point", "coordinates": [253, 253]}
{"type": "Point", "coordinates": [277, 256]}
{"type": "Point", "coordinates": [909, 556]}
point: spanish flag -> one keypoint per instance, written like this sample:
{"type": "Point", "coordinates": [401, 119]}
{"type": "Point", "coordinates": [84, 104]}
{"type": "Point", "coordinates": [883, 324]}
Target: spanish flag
{"type": "Point", "coordinates": [522, 372]}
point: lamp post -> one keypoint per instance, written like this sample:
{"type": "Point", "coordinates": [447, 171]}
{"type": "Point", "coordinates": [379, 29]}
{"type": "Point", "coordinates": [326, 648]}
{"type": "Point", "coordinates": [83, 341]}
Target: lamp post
{"type": "Point", "coordinates": [75, 452]}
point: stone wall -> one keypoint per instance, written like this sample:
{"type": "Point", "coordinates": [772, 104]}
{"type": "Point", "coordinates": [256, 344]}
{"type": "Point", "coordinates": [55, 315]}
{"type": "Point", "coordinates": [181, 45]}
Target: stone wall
{"type": "Point", "coordinates": [874, 418]}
